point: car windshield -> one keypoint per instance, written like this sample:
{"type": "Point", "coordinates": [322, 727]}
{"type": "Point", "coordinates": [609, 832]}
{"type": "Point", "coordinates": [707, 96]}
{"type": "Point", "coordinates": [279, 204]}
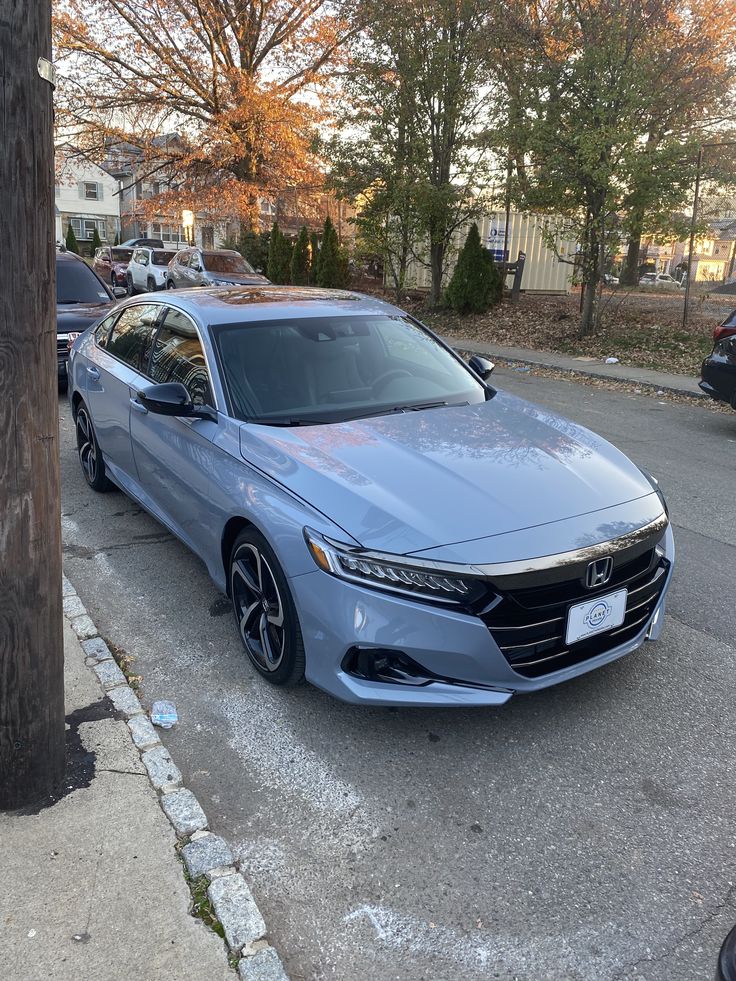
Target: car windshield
{"type": "Point", "coordinates": [121, 255]}
{"type": "Point", "coordinates": [226, 263]}
{"type": "Point", "coordinates": [311, 371]}
{"type": "Point", "coordinates": [76, 283]}
{"type": "Point", "coordinates": [162, 258]}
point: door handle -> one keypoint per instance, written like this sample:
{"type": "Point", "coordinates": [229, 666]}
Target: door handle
{"type": "Point", "coordinates": [93, 373]}
{"type": "Point", "coordinates": [138, 406]}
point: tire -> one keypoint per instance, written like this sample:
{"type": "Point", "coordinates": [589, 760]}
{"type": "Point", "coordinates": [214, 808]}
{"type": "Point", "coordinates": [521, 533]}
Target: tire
{"type": "Point", "coordinates": [264, 611]}
{"type": "Point", "coordinates": [151, 285]}
{"type": "Point", "coordinates": [129, 285]}
{"type": "Point", "coordinates": [170, 285]}
{"type": "Point", "coordinates": [90, 455]}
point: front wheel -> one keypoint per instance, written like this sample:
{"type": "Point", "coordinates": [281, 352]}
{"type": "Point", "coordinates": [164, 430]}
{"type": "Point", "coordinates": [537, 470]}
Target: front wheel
{"type": "Point", "coordinates": [170, 284]}
{"type": "Point", "coordinates": [151, 285]}
{"type": "Point", "coordinates": [90, 456]}
{"type": "Point", "coordinates": [264, 611]}
{"type": "Point", "coordinates": [129, 286]}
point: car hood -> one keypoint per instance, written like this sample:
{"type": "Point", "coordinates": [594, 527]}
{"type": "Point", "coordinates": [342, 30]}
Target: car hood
{"type": "Point", "coordinates": [418, 480]}
{"type": "Point", "coordinates": [78, 316]}
{"type": "Point", "coordinates": [239, 279]}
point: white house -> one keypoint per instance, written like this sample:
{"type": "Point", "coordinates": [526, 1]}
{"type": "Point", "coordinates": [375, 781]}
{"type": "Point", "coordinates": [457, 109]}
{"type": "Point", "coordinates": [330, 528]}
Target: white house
{"type": "Point", "coordinates": [87, 198]}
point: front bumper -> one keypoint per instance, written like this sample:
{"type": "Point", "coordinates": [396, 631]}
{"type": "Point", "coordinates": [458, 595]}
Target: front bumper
{"type": "Point", "coordinates": [457, 648]}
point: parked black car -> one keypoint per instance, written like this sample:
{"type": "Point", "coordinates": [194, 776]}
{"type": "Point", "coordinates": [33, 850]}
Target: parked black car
{"type": "Point", "coordinates": [718, 371]}
{"type": "Point", "coordinates": [81, 299]}
{"type": "Point", "coordinates": [153, 243]}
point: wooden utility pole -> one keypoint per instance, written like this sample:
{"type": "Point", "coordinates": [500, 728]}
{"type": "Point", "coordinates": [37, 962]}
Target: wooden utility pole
{"type": "Point", "coordinates": [32, 735]}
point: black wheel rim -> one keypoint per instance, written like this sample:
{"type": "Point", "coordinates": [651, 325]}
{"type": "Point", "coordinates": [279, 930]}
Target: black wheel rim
{"type": "Point", "coordinates": [258, 607]}
{"type": "Point", "coordinates": [86, 446]}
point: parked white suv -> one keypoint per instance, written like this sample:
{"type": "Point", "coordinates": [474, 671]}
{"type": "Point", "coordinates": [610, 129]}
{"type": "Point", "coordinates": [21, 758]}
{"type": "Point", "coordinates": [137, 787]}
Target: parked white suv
{"type": "Point", "coordinates": [657, 279]}
{"type": "Point", "coordinates": [147, 269]}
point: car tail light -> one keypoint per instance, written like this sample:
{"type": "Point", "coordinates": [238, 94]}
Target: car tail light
{"type": "Point", "coordinates": [723, 331]}
{"type": "Point", "coordinates": [71, 338]}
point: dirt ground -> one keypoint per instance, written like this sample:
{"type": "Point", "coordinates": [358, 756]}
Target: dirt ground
{"type": "Point", "coordinates": [639, 328]}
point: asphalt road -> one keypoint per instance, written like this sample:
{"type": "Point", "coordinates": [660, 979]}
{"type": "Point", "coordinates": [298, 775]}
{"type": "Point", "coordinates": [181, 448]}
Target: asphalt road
{"type": "Point", "coordinates": [587, 832]}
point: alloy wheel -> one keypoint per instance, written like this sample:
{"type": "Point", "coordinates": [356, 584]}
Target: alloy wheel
{"type": "Point", "coordinates": [258, 607]}
{"type": "Point", "coordinates": [86, 445]}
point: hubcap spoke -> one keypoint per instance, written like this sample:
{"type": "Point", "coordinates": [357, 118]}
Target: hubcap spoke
{"type": "Point", "coordinates": [241, 569]}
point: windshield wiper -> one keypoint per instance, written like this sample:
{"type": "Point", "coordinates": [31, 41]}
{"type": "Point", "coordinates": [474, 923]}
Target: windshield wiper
{"type": "Point", "coordinates": [69, 302]}
{"type": "Point", "coordinates": [413, 407]}
{"type": "Point", "coordinates": [290, 422]}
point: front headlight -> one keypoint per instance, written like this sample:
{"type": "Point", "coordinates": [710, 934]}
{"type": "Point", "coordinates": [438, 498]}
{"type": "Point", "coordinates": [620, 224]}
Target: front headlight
{"type": "Point", "coordinates": [395, 573]}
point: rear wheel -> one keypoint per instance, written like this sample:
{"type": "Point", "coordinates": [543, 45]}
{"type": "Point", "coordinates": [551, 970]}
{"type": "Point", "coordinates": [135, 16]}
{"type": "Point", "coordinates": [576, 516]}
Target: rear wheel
{"type": "Point", "coordinates": [170, 284]}
{"type": "Point", "coordinates": [151, 285]}
{"type": "Point", "coordinates": [129, 285]}
{"type": "Point", "coordinates": [264, 611]}
{"type": "Point", "coordinates": [90, 455]}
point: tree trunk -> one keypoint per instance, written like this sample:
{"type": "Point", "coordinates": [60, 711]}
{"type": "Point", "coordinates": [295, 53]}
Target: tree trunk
{"type": "Point", "coordinates": [588, 316]}
{"type": "Point", "coordinates": [630, 268]}
{"type": "Point", "coordinates": [436, 262]}
{"type": "Point", "coordinates": [32, 737]}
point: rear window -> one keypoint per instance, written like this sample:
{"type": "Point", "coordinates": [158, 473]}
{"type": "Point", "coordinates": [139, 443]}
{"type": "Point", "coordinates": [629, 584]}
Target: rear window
{"type": "Point", "coordinates": [121, 255]}
{"type": "Point", "coordinates": [76, 283]}
{"type": "Point", "coordinates": [162, 258]}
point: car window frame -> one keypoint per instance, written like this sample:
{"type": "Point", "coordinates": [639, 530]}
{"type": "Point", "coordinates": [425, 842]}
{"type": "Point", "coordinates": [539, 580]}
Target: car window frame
{"type": "Point", "coordinates": [212, 329]}
{"type": "Point", "coordinates": [207, 361]}
{"type": "Point", "coordinates": [118, 314]}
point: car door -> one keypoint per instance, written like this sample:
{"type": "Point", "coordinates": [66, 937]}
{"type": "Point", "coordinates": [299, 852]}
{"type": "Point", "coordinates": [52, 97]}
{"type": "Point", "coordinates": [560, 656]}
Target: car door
{"type": "Point", "coordinates": [196, 267]}
{"type": "Point", "coordinates": [180, 269]}
{"type": "Point", "coordinates": [174, 456]}
{"type": "Point", "coordinates": [113, 375]}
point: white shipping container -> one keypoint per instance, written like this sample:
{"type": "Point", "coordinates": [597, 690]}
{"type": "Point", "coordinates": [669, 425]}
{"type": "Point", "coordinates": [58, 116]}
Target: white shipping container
{"type": "Point", "coordinates": [545, 269]}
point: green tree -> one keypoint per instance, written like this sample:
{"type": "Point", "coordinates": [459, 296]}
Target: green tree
{"type": "Point", "coordinates": [300, 259]}
{"type": "Point", "coordinates": [96, 240]}
{"type": "Point", "coordinates": [313, 257]}
{"type": "Point", "coordinates": [253, 246]}
{"type": "Point", "coordinates": [332, 272]}
{"type": "Point", "coordinates": [71, 240]}
{"type": "Point", "coordinates": [418, 99]}
{"type": "Point", "coordinates": [278, 269]}
{"type": "Point", "coordinates": [592, 100]}
{"type": "Point", "coordinates": [476, 282]}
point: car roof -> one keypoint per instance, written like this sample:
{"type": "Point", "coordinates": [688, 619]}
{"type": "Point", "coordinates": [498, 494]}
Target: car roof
{"type": "Point", "coordinates": [251, 304]}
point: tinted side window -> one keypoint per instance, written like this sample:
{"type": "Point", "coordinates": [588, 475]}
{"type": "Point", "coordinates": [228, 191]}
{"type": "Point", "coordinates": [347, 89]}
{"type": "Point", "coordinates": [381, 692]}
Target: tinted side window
{"type": "Point", "coordinates": [178, 357]}
{"type": "Point", "coordinates": [131, 338]}
{"type": "Point", "coordinates": [103, 330]}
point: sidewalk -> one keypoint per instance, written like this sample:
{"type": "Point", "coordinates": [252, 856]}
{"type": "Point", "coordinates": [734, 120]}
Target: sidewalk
{"type": "Point", "coordinates": [93, 887]}
{"type": "Point", "coordinates": [660, 380]}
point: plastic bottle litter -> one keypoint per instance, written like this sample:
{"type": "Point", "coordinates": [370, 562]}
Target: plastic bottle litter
{"type": "Point", "coordinates": [521, 368]}
{"type": "Point", "coordinates": [611, 360]}
{"type": "Point", "coordinates": [163, 714]}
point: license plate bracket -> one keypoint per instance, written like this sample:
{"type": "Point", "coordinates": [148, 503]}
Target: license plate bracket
{"type": "Point", "coordinates": [596, 616]}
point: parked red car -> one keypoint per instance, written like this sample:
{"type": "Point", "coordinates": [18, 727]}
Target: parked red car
{"type": "Point", "coordinates": [111, 264]}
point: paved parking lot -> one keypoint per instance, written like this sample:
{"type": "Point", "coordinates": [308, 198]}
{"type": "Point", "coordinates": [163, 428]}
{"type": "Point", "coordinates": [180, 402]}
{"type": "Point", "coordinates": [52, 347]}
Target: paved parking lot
{"type": "Point", "coordinates": [587, 832]}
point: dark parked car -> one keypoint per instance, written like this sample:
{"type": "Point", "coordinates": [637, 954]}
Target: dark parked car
{"type": "Point", "coordinates": [112, 264]}
{"type": "Point", "coordinates": [82, 297]}
{"type": "Point", "coordinates": [153, 243]}
{"type": "Point", "coordinates": [211, 267]}
{"type": "Point", "coordinates": [718, 371]}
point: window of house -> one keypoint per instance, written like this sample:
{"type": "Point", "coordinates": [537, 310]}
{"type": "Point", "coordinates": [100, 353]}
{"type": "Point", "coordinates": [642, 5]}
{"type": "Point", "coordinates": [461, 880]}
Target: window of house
{"type": "Point", "coordinates": [132, 336]}
{"type": "Point", "coordinates": [91, 191]}
{"type": "Point", "coordinates": [178, 357]}
{"type": "Point", "coordinates": [84, 228]}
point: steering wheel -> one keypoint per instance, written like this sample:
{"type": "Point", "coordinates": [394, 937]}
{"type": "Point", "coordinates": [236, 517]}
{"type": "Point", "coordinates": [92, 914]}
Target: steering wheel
{"type": "Point", "coordinates": [380, 383]}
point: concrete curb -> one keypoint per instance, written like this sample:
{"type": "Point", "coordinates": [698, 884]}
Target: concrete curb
{"type": "Point", "coordinates": [203, 853]}
{"type": "Point", "coordinates": [585, 369]}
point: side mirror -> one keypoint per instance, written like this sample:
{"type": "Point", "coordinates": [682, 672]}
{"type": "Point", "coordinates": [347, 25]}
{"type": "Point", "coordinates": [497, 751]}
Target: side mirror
{"type": "Point", "coordinates": [119, 292]}
{"type": "Point", "coordinates": [173, 399]}
{"type": "Point", "coordinates": [481, 366]}
{"type": "Point", "coordinates": [197, 267]}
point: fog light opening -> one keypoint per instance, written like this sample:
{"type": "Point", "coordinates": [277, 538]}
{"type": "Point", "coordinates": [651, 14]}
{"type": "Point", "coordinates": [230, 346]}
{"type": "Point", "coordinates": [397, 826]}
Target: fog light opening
{"type": "Point", "coordinates": [392, 667]}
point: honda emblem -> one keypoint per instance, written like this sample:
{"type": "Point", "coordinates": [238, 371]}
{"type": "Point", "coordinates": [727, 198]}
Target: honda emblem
{"type": "Point", "coordinates": [599, 572]}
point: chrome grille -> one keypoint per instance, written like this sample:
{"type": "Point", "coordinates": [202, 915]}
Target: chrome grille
{"type": "Point", "coordinates": [529, 624]}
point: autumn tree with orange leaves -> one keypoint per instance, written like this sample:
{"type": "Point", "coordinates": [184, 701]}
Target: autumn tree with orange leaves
{"type": "Point", "coordinates": [234, 81]}
{"type": "Point", "coordinates": [606, 103]}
